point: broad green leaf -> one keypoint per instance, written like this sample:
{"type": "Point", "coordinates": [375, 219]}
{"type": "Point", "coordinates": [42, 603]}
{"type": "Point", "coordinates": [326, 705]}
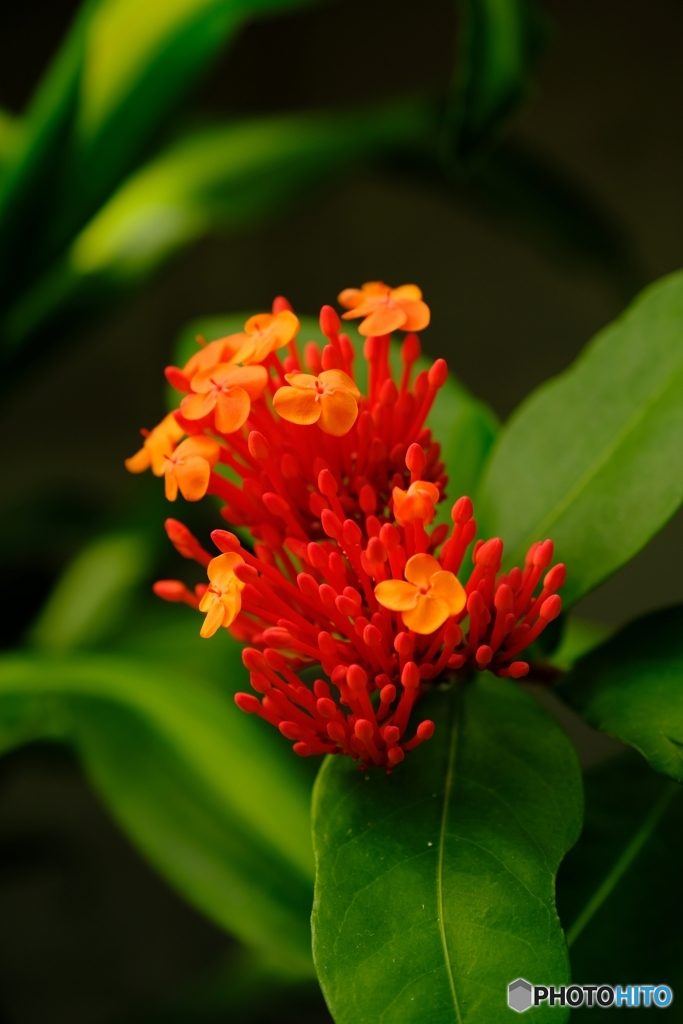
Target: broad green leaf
{"type": "Point", "coordinates": [217, 178]}
{"type": "Point", "coordinates": [499, 42]}
{"type": "Point", "coordinates": [578, 638]}
{"type": "Point", "coordinates": [10, 137]}
{"type": "Point", "coordinates": [631, 688]}
{"type": "Point", "coordinates": [589, 458]}
{"type": "Point", "coordinates": [140, 59]}
{"type": "Point", "coordinates": [94, 592]}
{"type": "Point", "coordinates": [435, 885]}
{"type": "Point", "coordinates": [190, 779]}
{"type": "Point", "coordinates": [622, 881]}
{"type": "Point", "coordinates": [463, 425]}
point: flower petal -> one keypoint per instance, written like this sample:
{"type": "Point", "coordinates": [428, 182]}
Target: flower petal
{"type": "Point", "coordinates": [195, 407]}
{"type": "Point", "coordinates": [192, 476]}
{"type": "Point", "coordinates": [296, 405]}
{"type": "Point", "coordinates": [139, 462]}
{"type": "Point", "coordinates": [396, 595]}
{"type": "Point", "coordinates": [305, 381]}
{"type": "Point", "coordinates": [232, 604]}
{"type": "Point", "coordinates": [417, 316]}
{"type": "Point", "coordinates": [352, 297]}
{"type": "Point", "coordinates": [232, 409]}
{"type": "Point", "coordinates": [215, 352]}
{"type": "Point", "coordinates": [338, 412]}
{"type": "Point", "coordinates": [159, 448]}
{"type": "Point", "coordinates": [252, 378]}
{"type": "Point", "coordinates": [429, 613]}
{"type": "Point", "coordinates": [214, 618]}
{"type": "Point", "coordinates": [204, 447]}
{"type": "Point", "coordinates": [409, 292]}
{"type": "Point", "coordinates": [333, 379]}
{"type": "Point", "coordinates": [448, 587]}
{"type": "Point", "coordinates": [221, 569]}
{"type": "Point", "coordinates": [384, 320]}
{"type": "Point", "coordinates": [420, 569]}
{"type": "Point", "coordinates": [170, 483]}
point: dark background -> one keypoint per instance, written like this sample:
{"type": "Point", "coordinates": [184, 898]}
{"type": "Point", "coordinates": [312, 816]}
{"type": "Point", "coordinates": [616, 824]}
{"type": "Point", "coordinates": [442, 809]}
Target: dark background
{"type": "Point", "coordinates": [88, 933]}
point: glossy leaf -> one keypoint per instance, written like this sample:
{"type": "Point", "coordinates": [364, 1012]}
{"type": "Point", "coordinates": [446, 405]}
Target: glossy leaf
{"type": "Point", "coordinates": [190, 780]}
{"type": "Point", "coordinates": [588, 459]}
{"type": "Point", "coordinates": [499, 43]}
{"type": "Point", "coordinates": [631, 688]}
{"type": "Point", "coordinates": [622, 884]}
{"type": "Point", "coordinates": [221, 177]}
{"type": "Point", "coordinates": [435, 886]}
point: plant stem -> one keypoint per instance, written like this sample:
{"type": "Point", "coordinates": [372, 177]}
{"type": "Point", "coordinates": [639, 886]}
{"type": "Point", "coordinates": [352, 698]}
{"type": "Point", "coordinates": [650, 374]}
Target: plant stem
{"type": "Point", "coordinates": [623, 863]}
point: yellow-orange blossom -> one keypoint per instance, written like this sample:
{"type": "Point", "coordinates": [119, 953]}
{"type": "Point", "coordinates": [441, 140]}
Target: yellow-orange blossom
{"type": "Point", "coordinates": [426, 598]}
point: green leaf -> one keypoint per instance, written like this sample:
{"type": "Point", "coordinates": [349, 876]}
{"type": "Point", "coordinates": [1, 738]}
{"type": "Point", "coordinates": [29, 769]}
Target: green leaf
{"type": "Point", "coordinates": [217, 178]}
{"type": "Point", "coordinates": [435, 886]}
{"type": "Point", "coordinates": [631, 688]}
{"type": "Point", "coordinates": [499, 43]}
{"type": "Point", "coordinates": [115, 82]}
{"type": "Point", "coordinates": [94, 592]}
{"type": "Point", "coordinates": [623, 879]}
{"type": "Point", "coordinates": [194, 782]}
{"type": "Point", "coordinates": [588, 458]}
{"type": "Point", "coordinates": [578, 638]}
{"type": "Point", "coordinates": [10, 137]}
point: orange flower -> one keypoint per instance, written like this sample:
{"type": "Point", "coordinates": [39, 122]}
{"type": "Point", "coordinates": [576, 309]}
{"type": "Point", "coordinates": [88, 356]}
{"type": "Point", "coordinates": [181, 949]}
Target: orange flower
{"type": "Point", "coordinates": [222, 600]}
{"type": "Point", "coordinates": [228, 389]}
{"type": "Point", "coordinates": [157, 446]}
{"type": "Point", "coordinates": [264, 333]}
{"type": "Point", "coordinates": [428, 596]}
{"type": "Point", "coordinates": [330, 400]}
{"type": "Point", "coordinates": [385, 309]}
{"type": "Point", "coordinates": [416, 503]}
{"type": "Point", "coordinates": [189, 467]}
{"type": "Point", "coordinates": [221, 350]}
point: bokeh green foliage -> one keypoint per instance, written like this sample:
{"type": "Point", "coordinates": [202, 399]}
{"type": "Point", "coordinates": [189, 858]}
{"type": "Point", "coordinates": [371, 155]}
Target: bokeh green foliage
{"type": "Point", "coordinates": [105, 175]}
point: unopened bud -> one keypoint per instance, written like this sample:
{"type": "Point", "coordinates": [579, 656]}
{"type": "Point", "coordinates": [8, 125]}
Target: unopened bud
{"type": "Point", "coordinates": [225, 541]}
{"type": "Point", "coordinates": [438, 374]}
{"type": "Point", "coordinates": [258, 446]}
{"type": "Point", "coordinates": [555, 578]}
{"type": "Point", "coordinates": [416, 460]}
{"type": "Point", "coordinates": [410, 676]}
{"type": "Point", "coordinates": [330, 324]}
{"type": "Point", "coordinates": [551, 608]}
{"type": "Point", "coordinates": [356, 678]}
{"type": "Point", "coordinates": [410, 349]}
{"type": "Point", "coordinates": [329, 359]}
{"type": "Point", "coordinates": [247, 702]}
{"type": "Point", "coordinates": [462, 510]}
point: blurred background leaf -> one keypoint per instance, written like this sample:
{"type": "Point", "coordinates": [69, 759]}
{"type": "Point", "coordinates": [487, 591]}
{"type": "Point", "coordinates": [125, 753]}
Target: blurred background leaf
{"type": "Point", "coordinates": [106, 180]}
{"type": "Point", "coordinates": [617, 889]}
{"type": "Point", "coordinates": [500, 42]}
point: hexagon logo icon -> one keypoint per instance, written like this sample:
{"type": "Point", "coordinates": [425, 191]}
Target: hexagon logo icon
{"type": "Point", "coordinates": [519, 995]}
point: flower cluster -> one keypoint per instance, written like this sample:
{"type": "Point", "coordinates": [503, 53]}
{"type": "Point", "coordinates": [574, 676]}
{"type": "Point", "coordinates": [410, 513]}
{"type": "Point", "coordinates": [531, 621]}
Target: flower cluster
{"type": "Point", "coordinates": [348, 576]}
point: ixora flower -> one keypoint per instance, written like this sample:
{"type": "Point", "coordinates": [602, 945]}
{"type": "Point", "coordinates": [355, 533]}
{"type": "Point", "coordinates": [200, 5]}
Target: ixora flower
{"type": "Point", "coordinates": [338, 489]}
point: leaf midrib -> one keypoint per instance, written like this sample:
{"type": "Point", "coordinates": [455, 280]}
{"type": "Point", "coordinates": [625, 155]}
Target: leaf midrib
{"type": "Point", "coordinates": [623, 862]}
{"type": "Point", "coordinates": [450, 773]}
{"type": "Point", "coordinates": [582, 483]}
